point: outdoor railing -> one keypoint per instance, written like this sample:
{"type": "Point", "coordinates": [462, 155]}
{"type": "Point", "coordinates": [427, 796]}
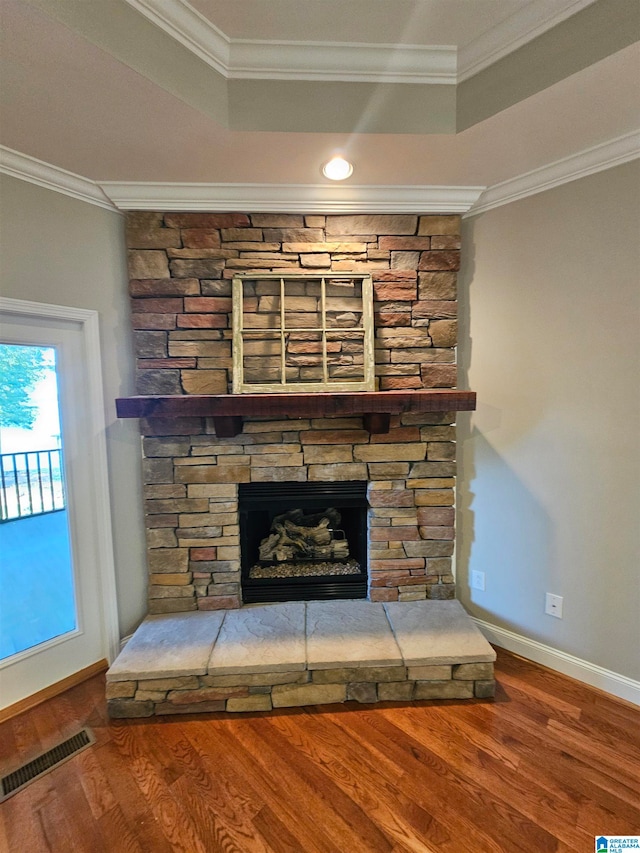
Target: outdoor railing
{"type": "Point", "coordinates": [31, 483]}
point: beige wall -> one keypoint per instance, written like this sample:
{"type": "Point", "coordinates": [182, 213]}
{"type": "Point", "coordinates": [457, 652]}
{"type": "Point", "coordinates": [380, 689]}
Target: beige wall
{"type": "Point", "coordinates": [57, 250]}
{"type": "Point", "coordinates": [548, 494]}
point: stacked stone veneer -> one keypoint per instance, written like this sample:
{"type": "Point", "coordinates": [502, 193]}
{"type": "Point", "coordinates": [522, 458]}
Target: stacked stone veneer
{"type": "Point", "coordinates": [188, 694]}
{"type": "Point", "coordinates": [181, 266]}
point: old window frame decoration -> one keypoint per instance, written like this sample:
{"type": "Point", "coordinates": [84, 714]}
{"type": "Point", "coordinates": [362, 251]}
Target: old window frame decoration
{"type": "Point", "coordinates": [324, 331]}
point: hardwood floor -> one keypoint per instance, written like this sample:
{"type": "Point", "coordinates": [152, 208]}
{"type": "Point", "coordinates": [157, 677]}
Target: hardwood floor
{"type": "Point", "coordinates": [546, 766]}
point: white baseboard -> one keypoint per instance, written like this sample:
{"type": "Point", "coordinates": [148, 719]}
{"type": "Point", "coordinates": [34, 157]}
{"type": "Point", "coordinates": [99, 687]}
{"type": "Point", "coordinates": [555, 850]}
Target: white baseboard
{"type": "Point", "coordinates": [582, 670]}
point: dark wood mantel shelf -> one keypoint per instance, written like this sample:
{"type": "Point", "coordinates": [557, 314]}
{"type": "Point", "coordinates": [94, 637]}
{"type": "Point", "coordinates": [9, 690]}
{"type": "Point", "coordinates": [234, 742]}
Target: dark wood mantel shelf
{"type": "Point", "coordinates": [228, 410]}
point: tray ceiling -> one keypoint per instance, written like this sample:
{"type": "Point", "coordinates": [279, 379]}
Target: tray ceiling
{"type": "Point", "coordinates": [127, 90]}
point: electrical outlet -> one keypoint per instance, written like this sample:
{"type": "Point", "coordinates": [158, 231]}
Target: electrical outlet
{"type": "Point", "coordinates": [477, 580]}
{"type": "Point", "coordinates": [553, 605]}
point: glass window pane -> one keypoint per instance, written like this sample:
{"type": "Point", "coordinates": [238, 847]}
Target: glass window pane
{"type": "Point", "coordinates": [37, 597]}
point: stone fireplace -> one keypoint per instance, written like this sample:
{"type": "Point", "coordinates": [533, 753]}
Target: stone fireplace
{"type": "Point", "coordinates": [232, 479]}
{"type": "Point", "coordinates": [181, 266]}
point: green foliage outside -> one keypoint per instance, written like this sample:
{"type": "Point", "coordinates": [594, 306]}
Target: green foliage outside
{"type": "Point", "coordinates": [21, 368]}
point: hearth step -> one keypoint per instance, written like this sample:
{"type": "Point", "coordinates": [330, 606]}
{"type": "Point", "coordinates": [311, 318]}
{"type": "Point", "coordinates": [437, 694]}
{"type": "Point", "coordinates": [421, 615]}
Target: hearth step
{"type": "Point", "coordinates": [300, 653]}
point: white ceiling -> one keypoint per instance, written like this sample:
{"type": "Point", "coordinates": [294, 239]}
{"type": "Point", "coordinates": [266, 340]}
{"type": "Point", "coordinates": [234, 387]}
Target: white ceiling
{"type": "Point", "coordinates": [420, 22]}
{"type": "Point", "coordinates": [71, 98]}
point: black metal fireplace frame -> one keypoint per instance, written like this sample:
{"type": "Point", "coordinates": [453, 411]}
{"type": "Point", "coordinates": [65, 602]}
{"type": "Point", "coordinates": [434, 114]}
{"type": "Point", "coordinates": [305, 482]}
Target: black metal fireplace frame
{"type": "Point", "coordinates": [273, 498]}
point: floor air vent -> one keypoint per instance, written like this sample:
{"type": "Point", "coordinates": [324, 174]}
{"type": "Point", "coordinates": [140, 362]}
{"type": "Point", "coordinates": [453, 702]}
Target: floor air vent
{"type": "Point", "coordinates": [13, 782]}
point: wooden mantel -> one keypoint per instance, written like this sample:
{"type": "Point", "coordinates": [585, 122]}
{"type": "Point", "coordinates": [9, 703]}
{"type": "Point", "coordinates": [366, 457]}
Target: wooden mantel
{"type": "Point", "coordinates": [228, 410]}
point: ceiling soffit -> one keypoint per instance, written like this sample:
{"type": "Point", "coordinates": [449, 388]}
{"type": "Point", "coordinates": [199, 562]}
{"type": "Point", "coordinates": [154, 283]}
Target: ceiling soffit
{"type": "Point", "coordinates": [340, 88]}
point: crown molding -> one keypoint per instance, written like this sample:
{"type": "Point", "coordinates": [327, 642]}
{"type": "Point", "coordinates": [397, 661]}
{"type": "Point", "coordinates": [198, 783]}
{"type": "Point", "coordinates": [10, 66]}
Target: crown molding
{"type": "Point", "coordinates": [351, 62]}
{"type": "Point", "coordinates": [251, 59]}
{"type": "Point", "coordinates": [291, 198]}
{"type": "Point", "coordinates": [617, 151]}
{"type": "Point", "coordinates": [523, 26]}
{"type": "Point", "coordinates": [186, 25]}
{"type": "Point", "coordinates": [34, 171]}
{"type": "Point", "coordinates": [319, 198]}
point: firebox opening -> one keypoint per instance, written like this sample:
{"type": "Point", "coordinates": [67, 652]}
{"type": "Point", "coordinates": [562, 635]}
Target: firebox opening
{"type": "Point", "coordinates": [303, 541]}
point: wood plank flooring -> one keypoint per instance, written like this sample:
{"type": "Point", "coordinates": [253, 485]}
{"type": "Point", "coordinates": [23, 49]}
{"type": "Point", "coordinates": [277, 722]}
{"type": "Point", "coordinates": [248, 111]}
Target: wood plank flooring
{"type": "Point", "coordinates": [547, 765]}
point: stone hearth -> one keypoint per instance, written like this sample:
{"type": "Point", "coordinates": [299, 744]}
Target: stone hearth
{"type": "Point", "coordinates": [300, 653]}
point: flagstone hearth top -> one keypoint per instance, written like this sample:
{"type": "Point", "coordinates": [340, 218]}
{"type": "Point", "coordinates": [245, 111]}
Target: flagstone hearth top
{"type": "Point", "coordinates": [227, 410]}
{"type": "Point", "coordinates": [353, 633]}
{"type": "Point", "coordinates": [170, 645]}
{"type": "Point", "coordinates": [261, 639]}
{"type": "Point", "coordinates": [296, 636]}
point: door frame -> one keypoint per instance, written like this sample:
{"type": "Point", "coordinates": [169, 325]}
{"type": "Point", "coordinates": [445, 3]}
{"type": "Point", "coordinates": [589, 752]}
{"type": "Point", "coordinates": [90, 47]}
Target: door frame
{"type": "Point", "coordinates": [88, 320]}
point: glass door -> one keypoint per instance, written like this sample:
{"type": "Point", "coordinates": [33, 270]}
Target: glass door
{"type": "Point", "coordinates": [37, 588]}
{"type": "Point", "coordinates": [58, 616]}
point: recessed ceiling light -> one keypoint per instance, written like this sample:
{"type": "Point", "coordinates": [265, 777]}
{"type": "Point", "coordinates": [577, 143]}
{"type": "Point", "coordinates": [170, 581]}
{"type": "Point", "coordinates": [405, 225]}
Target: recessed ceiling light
{"type": "Point", "coordinates": [337, 169]}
